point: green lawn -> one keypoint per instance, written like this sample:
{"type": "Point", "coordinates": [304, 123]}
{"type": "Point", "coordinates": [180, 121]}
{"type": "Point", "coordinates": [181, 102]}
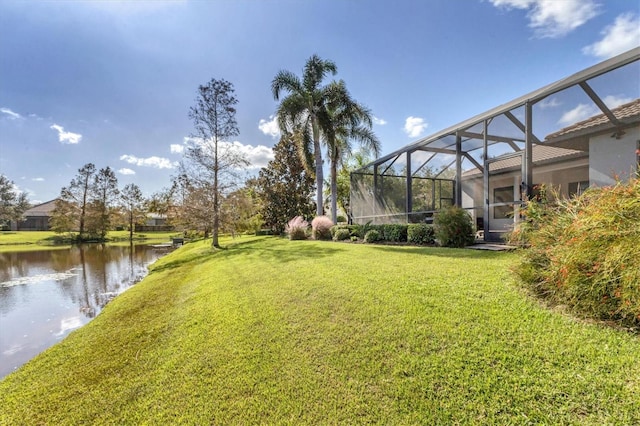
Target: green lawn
{"type": "Point", "coordinates": [270, 331]}
{"type": "Point", "coordinates": [45, 240]}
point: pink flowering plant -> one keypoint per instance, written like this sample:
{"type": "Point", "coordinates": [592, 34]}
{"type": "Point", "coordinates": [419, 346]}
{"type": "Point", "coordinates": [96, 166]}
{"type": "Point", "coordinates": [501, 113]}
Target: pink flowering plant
{"type": "Point", "coordinates": [297, 228]}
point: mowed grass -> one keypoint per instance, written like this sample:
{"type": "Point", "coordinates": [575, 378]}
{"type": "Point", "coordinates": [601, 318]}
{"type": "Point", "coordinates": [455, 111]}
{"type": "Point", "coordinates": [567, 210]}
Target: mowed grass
{"type": "Point", "coordinates": [270, 331]}
{"type": "Point", "coordinates": [13, 241]}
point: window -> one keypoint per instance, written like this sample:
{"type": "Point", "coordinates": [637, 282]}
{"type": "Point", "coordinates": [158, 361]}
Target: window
{"type": "Point", "coordinates": [577, 188]}
{"type": "Point", "coordinates": [503, 195]}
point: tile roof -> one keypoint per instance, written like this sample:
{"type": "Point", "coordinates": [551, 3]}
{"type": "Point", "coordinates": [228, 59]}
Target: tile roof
{"type": "Point", "coordinates": [626, 113]}
{"type": "Point", "coordinates": [41, 210]}
{"type": "Point", "coordinates": [541, 155]}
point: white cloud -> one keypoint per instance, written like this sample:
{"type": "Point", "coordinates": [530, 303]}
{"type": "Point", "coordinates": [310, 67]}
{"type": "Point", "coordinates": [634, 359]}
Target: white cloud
{"type": "Point", "coordinates": [550, 103]}
{"type": "Point", "coordinates": [579, 113]}
{"type": "Point", "coordinates": [622, 35]}
{"type": "Point", "coordinates": [177, 148]}
{"type": "Point", "coordinates": [270, 127]}
{"type": "Point", "coordinates": [156, 162]}
{"type": "Point", "coordinates": [126, 171]}
{"type": "Point", "coordinates": [38, 179]}
{"type": "Point", "coordinates": [379, 121]}
{"type": "Point", "coordinates": [584, 111]}
{"type": "Point", "coordinates": [613, 101]}
{"type": "Point", "coordinates": [553, 18]}
{"type": "Point", "coordinates": [12, 115]}
{"type": "Point", "coordinates": [258, 156]}
{"type": "Point", "coordinates": [414, 126]}
{"type": "Point", "coordinates": [66, 137]}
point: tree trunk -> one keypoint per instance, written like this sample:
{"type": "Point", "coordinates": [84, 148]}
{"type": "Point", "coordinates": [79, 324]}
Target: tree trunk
{"type": "Point", "coordinates": [319, 172]}
{"type": "Point", "coordinates": [131, 225]}
{"type": "Point", "coordinates": [216, 206]}
{"type": "Point", "coordinates": [334, 190]}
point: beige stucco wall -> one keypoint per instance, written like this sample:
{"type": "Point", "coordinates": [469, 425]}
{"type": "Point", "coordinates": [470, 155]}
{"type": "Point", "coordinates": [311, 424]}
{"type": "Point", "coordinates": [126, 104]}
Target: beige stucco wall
{"type": "Point", "coordinates": [611, 157]}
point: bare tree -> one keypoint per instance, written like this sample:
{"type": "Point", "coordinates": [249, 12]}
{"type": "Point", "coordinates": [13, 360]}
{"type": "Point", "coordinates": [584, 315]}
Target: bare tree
{"type": "Point", "coordinates": [133, 203]}
{"type": "Point", "coordinates": [103, 197]}
{"type": "Point", "coordinates": [213, 162]}
{"type": "Point", "coordinates": [77, 194]}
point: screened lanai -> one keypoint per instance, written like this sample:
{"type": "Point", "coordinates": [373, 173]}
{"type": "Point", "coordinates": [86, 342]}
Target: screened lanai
{"type": "Point", "coordinates": [490, 163]}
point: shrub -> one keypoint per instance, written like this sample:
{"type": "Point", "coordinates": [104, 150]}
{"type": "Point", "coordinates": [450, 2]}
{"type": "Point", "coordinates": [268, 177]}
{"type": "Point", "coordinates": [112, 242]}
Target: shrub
{"type": "Point", "coordinates": [584, 252]}
{"type": "Point", "coordinates": [420, 233]}
{"type": "Point", "coordinates": [371, 236]}
{"type": "Point", "coordinates": [341, 235]}
{"type": "Point", "coordinates": [297, 228]}
{"type": "Point", "coordinates": [354, 238]}
{"type": "Point", "coordinates": [321, 228]}
{"type": "Point", "coordinates": [341, 219]}
{"type": "Point", "coordinates": [453, 227]}
{"type": "Point", "coordinates": [393, 232]}
{"type": "Point", "coordinates": [361, 230]}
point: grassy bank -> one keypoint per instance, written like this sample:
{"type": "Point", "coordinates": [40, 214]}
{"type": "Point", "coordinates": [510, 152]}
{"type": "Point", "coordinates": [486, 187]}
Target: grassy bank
{"type": "Point", "coordinates": [47, 240]}
{"type": "Point", "coordinates": [274, 331]}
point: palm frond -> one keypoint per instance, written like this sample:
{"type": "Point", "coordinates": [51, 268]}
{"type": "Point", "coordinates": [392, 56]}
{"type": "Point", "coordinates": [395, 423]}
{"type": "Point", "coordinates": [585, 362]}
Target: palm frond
{"type": "Point", "coordinates": [285, 81]}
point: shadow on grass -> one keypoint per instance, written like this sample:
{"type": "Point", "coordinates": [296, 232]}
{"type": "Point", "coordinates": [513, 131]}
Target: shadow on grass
{"type": "Point", "coordinates": [452, 253]}
{"type": "Point", "coordinates": [193, 258]}
{"type": "Point", "coordinates": [275, 250]}
{"type": "Point", "coordinates": [278, 250]}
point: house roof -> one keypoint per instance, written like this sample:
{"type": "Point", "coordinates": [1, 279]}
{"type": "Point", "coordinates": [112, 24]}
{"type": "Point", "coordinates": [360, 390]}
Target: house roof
{"type": "Point", "coordinates": [41, 210]}
{"type": "Point", "coordinates": [627, 113]}
{"type": "Point", "coordinates": [542, 154]}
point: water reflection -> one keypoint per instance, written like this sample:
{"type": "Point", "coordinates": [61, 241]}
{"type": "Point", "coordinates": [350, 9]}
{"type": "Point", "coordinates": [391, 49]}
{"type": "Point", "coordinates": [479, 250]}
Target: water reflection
{"type": "Point", "coordinates": [44, 295]}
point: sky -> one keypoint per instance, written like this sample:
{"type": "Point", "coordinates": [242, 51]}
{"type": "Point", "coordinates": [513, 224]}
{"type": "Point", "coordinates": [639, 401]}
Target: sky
{"type": "Point", "coordinates": [111, 82]}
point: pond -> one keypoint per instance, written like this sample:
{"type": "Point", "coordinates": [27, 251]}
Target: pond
{"type": "Point", "coordinates": [44, 295]}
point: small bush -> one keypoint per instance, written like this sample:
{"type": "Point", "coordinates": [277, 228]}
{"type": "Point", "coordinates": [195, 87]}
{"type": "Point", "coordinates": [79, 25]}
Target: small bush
{"type": "Point", "coordinates": [354, 238]}
{"type": "Point", "coordinates": [394, 232]}
{"type": "Point", "coordinates": [585, 252]}
{"type": "Point", "coordinates": [341, 219]}
{"type": "Point", "coordinates": [454, 227]}
{"type": "Point", "coordinates": [341, 235]}
{"type": "Point", "coordinates": [321, 228]}
{"type": "Point", "coordinates": [372, 236]}
{"type": "Point", "coordinates": [351, 228]}
{"type": "Point", "coordinates": [361, 230]}
{"type": "Point", "coordinates": [420, 233]}
{"type": "Point", "coordinates": [297, 228]}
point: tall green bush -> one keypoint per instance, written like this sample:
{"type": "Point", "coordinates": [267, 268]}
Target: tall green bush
{"type": "Point", "coordinates": [585, 252]}
{"type": "Point", "coordinates": [454, 227]}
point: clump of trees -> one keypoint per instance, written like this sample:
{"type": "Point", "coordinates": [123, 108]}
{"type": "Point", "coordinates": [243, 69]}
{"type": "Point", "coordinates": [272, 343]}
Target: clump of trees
{"type": "Point", "coordinates": [13, 203]}
{"type": "Point", "coordinates": [284, 187]}
{"type": "Point", "coordinates": [87, 204]}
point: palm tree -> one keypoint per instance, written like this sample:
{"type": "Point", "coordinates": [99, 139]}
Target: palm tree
{"type": "Point", "coordinates": [350, 121]}
{"type": "Point", "coordinates": [305, 113]}
{"type": "Point", "coordinates": [314, 114]}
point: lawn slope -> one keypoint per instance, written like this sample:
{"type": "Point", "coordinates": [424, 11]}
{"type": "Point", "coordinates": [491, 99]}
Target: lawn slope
{"type": "Point", "coordinates": [299, 332]}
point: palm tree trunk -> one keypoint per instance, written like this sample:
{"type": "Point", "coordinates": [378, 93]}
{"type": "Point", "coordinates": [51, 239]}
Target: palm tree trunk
{"type": "Point", "coordinates": [334, 189]}
{"type": "Point", "coordinates": [319, 172]}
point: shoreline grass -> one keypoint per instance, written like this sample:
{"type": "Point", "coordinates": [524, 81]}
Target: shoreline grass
{"type": "Point", "coordinates": [271, 331]}
{"type": "Point", "coordinates": [14, 241]}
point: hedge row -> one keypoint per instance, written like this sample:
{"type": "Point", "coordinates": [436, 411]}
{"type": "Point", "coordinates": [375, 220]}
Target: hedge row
{"type": "Point", "coordinates": [413, 233]}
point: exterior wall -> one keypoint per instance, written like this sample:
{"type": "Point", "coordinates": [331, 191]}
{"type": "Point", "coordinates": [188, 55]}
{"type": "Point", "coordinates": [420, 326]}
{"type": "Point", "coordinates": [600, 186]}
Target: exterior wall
{"type": "Point", "coordinates": [34, 223]}
{"type": "Point", "coordinates": [558, 175]}
{"type": "Point", "coordinates": [613, 157]}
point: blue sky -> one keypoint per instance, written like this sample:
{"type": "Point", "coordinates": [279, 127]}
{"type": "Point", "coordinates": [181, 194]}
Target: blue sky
{"type": "Point", "coordinates": [112, 82]}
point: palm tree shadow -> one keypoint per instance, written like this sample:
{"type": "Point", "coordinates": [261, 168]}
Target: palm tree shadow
{"type": "Point", "coordinates": [281, 252]}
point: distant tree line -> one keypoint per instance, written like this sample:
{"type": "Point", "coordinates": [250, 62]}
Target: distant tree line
{"type": "Point", "coordinates": [207, 195]}
{"type": "Point", "coordinates": [13, 203]}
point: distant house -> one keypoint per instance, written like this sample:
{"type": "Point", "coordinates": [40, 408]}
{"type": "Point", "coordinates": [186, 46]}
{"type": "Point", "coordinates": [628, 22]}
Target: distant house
{"type": "Point", "coordinates": [37, 217]}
